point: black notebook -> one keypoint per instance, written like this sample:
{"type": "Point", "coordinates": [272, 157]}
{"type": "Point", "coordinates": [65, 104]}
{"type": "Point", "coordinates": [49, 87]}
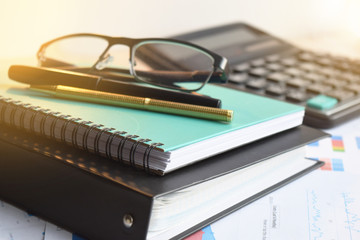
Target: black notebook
{"type": "Point", "coordinates": [100, 199]}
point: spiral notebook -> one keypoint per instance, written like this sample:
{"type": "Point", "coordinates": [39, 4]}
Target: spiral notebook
{"type": "Point", "coordinates": [155, 142]}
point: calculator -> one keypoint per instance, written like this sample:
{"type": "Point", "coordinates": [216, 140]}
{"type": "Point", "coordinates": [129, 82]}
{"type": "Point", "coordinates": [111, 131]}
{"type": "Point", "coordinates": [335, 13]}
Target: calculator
{"type": "Point", "coordinates": [327, 86]}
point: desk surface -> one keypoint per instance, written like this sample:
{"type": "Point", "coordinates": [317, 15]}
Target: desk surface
{"type": "Point", "coordinates": [324, 204]}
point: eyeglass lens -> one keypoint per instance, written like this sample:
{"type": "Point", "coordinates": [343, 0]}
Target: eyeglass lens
{"type": "Point", "coordinates": [171, 64]}
{"type": "Point", "coordinates": [163, 63]}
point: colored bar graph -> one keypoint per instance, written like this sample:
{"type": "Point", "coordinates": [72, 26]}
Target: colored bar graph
{"type": "Point", "coordinates": [333, 164]}
{"type": "Point", "coordinates": [358, 142]}
{"type": "Point", "coordinates": [314, 144]}
{"type": "Point", "coordinates": [327, 165]}
{"type": "Point", "coordinates": [337, 165]}
{"type": "Point", "coordinates": [337, 144]}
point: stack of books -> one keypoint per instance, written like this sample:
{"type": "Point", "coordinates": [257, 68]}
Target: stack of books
{"type": "Point", "coordinates": [106, 172]}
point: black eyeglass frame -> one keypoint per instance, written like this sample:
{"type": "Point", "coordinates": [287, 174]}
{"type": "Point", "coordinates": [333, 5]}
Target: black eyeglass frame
{"type": "Point", "coordinates": [220, 64]}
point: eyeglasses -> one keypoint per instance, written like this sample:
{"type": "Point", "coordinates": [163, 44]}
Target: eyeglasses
{"type": "Point", "coordinates": [166, 63]}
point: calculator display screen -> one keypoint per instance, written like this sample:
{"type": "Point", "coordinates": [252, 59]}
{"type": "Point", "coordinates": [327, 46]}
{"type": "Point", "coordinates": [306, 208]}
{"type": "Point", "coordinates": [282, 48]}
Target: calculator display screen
{"type": "Point", "coordinates": [226, 38]}
{"type": "Point", "coordinates": [236, 43]}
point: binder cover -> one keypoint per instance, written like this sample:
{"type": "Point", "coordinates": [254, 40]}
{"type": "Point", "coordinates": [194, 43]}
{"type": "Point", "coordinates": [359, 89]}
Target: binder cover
{"type": "Point", "coordinates": [93, 198]}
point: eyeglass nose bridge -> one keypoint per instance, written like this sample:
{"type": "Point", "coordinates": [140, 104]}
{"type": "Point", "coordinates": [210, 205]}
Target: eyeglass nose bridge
{"type": "Point", "coordinates": [104, 61]}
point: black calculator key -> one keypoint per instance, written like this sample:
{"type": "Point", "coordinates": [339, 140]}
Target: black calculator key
{"type": "Point", "coordinates": [241, 67]}
{"type": "Point", "coordinates": [308, 67]}
{"type": "Point", "coordinates": [278, 77]}
{"type": "Point", "coordinates": [238, 78]}
{"type": "Point", "coordinates": [274, 66]}
{"type": "Point", "coordinates": [336, 82]}
{"type": "Point", "coordinates": [353, 87]}
{"type": "Point", "coordinates": [259, 71]}
{"type": "Point", "coordinates": [341, 94]}
{"type": "Point", "coordinates": [290, 61]}
{"type": "Point", "coordinates": [273, 58]}
{"type": "Point", "coordinates": [327, 71]}
{"type": "Point", "coordinates": [319, 88]}
{"type": "Point", "coordinates": [306, 56]}
{"type": "Point", "coordinates": [298, 83]}
{"type": "Point", "coordinates": [256, 83]}
{"type": "Point", "coordinates": [293, 71]}
{"type": "Point", "coordinates": [297, 96]}
{"type": "Point", "coordinates": [314, 77]}
{"type": "Point", "coordinates": [276, 90]}
{"type": "Point", "coordinates": [258, 62]}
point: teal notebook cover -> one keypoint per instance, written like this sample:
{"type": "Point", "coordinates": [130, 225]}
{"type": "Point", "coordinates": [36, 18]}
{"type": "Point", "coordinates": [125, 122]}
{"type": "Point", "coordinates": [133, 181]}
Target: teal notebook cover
{"type": "Point", "coordinates": [173, 131]}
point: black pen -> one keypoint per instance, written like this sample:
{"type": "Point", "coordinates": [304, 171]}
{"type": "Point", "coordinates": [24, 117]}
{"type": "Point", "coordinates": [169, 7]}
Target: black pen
{"type": "Point", "coordinates": [52, 76]}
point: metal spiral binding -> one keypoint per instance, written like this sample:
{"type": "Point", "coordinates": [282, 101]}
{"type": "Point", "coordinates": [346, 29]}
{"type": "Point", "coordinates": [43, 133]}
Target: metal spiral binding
{"type": "Point", "coordinates": [109, 142]}
{"type": "Point", "coordinates": [37, 110]}
{"type": "Point", "coordinates": [43, 120]}
{"type": "Point", "coordinates": [53, 124]}
{"type": "Point", "coordinates": [75, 130]}
{"type": "Point", "coordinates": [86, 135]}
{"type": "Point", "coordinates": [97, 139]}
{"type": "Point", "coordinates": [146, 165]}
{"type": "Point", "coordinates": [7, 103]}
{"type": "Point", "coordinates": [22, 115]}
{"type": "Point", "coordinates": [120, 149]}
{"type": "Point", "coordinates": [13, 110]}
{"type": "Point", "coordinates": [133, 150]}
{"type": "Point", "coordinates": [64, 126]}
{"type": "Point", "coordinates": [3, 108]}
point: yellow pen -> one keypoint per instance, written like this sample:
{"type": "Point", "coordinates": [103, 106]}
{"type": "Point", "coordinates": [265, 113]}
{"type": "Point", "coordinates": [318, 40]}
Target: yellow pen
{"type": "Point", "coordinates": [149, 104]}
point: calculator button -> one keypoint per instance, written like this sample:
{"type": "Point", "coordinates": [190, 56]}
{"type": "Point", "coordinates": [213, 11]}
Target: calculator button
{"type": "Point", "coordinates": [256, 83]}
{"type": "Point", "coordinates": [259, 72]}
{"type": "Point", "coordinates": [353, 87]}
{"type": "Point", "coordinates": [341, 94]}
{"type": "Point", "coordinates": [258, 62]}
{"type": "Point", "coordinates": [319, 88]}
{"type": "Point", "coordinates": [289, 61]}
{"type": "Point", "coordinates": [238, 78]}
{"type": "Point", "coordinates": [336, 82]}
{"type": "Point", "coordinates": [324, 61]}
{"type": "Point", "coordinates": [276, 90]}
{"type": "Point", "coordinates": [241, 67]}
{"type": "Point", "coordinates": [278, 77]}
{"type": "Point", "coordinates": [274, 66]}
{"type": "Point", "coordinates": [273, 58]}
{"type": "Point", "coordinates": [322, 102]}
{"type": "Point", "coordinates": [314, 77]}
{"type": "Point", "coordinates": [297, 96]}
{"type": "Point", "coordinates": [309, 67]}
{"type": "Point", "coordinates": [306, 56]}
{"type": "Point", "coordinates": [298, 82]}
{"type": "Point", "coordinates": [294, 71]}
